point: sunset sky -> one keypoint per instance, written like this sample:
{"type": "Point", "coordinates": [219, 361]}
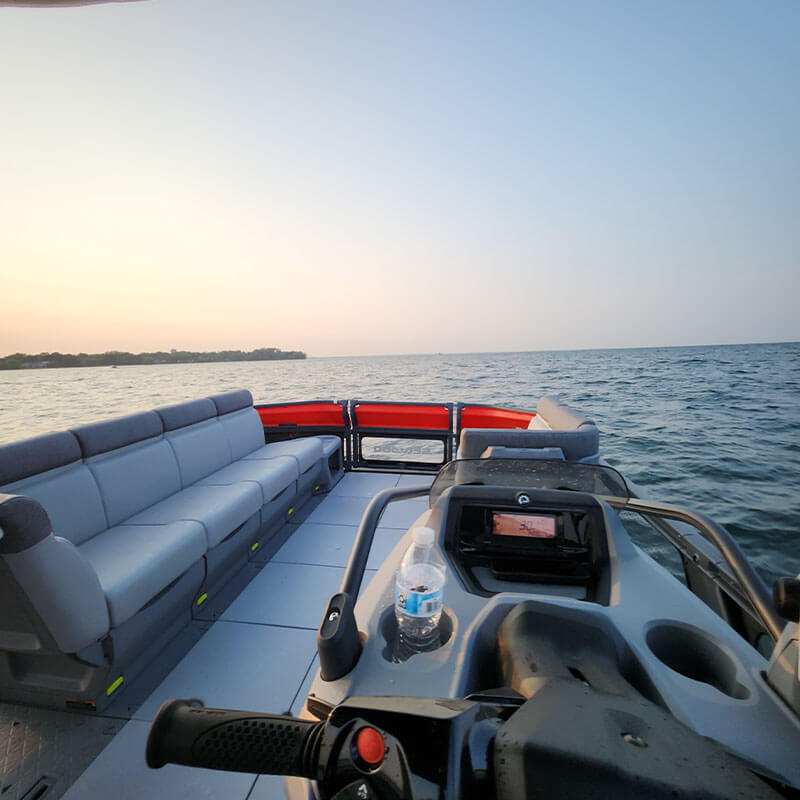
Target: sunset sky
{"type": "Point", "coordinates": [398, 177]}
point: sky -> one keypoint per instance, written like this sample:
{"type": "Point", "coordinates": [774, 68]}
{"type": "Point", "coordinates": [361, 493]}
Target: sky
{"type": "Point", "coordinates": [398, 177]}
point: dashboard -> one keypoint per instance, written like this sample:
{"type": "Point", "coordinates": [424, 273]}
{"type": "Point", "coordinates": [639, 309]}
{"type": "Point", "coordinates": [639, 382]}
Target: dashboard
{"type": "Point", "coordinates": [499, 538]}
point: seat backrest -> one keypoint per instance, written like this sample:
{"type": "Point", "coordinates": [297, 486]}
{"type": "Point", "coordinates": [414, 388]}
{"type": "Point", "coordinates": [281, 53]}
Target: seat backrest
{"type": "Point", "coordinates": [566, 429]}
{"type": "Point", "coordinates": [49, 469]}
{"type": "Point", "coordinates": [133, 464]}
{"type": "Point", "coordinates": [196, 437]}
{"type": "Point", "coordinates": [240, 421]}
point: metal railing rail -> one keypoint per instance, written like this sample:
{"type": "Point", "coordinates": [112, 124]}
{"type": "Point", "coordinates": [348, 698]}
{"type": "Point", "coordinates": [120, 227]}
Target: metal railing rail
{"type": "Point", "coordinates": [754, 588]}
{"type": "Point", "coordinates": [352, 431]}
{"type": "Point", "coordinates": [693, 547]}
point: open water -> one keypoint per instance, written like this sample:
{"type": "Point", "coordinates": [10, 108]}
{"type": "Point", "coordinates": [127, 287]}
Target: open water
{"type": "Point", "coordinates": [713, 428]}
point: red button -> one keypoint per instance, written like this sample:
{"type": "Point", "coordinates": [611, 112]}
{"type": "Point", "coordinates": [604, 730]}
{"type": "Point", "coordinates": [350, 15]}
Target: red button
{"type": "Point", "coordinates": [370, 746]}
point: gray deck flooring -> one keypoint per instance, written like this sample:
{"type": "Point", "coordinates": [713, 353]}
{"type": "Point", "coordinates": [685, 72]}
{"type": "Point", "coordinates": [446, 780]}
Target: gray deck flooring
{"type": "Point", "coordinates": [259, 653]}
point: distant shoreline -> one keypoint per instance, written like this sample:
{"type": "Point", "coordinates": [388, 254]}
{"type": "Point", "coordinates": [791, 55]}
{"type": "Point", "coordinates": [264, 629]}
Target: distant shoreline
{"type": "Point", "coordinates": [116, 358]}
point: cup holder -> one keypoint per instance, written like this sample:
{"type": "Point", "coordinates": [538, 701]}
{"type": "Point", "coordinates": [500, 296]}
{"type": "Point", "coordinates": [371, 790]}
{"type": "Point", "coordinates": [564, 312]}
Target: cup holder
{"type": "Point", "coordinates": [695, 655]}
{"type": "Point", "coordinates": [396, 650]}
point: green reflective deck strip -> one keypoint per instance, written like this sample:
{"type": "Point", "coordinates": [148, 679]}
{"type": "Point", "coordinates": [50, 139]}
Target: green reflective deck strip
{"type": "Point", "coordinates": [114, 686]}
{"type": "Point", "coordinates": [290, 512]}
{"type": "Point", "coordinates": [254, 546]}
{"type": "Point", "coordinates": [203, 597]}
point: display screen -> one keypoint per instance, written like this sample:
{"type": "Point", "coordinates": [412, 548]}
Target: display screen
{"type": "Point", "coordinates": [530, 526]}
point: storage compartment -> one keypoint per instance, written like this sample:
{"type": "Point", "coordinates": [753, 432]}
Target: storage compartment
{"type": "Point", "coordinates": [692, 653]}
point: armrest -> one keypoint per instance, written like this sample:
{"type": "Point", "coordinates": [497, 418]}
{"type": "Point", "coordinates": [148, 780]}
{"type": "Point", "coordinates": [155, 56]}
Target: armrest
{"type": "Point", "coordinates": [23, 523]}
{"type": "Point", "coordinates": [58, 581]}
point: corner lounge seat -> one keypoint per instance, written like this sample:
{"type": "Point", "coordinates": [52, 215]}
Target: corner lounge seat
{"type": "Point", "coordinates": [245, 434]}
{"type": "Point", "coordinates": [112, 530]}
{"type": "Point", "coordinates": [557, 431]}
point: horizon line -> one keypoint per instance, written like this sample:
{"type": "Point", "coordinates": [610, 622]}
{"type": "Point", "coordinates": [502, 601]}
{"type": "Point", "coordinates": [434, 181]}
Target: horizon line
{"type": "Point", "coordinates": [558, 349]}
{"type": "Point", "coordinates": [456, 352]}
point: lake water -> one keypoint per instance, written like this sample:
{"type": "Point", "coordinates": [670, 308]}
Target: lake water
{"type": "Point", "coordinates": [713, 428]}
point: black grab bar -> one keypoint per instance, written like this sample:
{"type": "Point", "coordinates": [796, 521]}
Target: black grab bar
{"type": "Point", "coordinates": [754, 588]}
{"type": "Point", "coordinates": [357, 563]}
{"type": "Point", "coordinates": [338, 641]}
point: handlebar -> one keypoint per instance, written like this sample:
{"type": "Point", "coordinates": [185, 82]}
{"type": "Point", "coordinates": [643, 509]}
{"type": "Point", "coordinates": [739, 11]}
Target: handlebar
{"type": "Point", "coordinates": [407, 748]}
{"type": "Point", "coordinates": [240, 741]}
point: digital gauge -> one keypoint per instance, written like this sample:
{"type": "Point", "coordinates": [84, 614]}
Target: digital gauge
{"type": "Point", "coordinates": [530, 526]}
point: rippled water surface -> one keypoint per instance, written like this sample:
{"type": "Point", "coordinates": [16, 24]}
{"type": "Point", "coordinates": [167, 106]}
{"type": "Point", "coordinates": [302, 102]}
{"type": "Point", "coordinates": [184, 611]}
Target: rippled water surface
{"type": "Point", "coordinates": [714, 428]}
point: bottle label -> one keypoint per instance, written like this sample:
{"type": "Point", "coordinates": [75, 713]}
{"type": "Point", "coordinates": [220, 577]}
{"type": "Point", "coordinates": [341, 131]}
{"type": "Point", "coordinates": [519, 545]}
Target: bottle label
{"type": "Point", "coordinates": [418, 604]}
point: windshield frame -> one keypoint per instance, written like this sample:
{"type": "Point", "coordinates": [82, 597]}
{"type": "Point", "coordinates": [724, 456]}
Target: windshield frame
{"type": "Point", "coordinates": [530, 473]}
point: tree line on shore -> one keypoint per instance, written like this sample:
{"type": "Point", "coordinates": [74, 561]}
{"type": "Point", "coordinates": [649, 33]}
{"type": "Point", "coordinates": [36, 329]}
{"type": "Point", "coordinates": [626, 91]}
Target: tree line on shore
{"type": "Point", "coordinates": [114, 358]}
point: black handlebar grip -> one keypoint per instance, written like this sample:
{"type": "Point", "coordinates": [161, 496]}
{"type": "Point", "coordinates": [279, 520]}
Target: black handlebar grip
{"type": "Point", "coordinates": [238, 741]}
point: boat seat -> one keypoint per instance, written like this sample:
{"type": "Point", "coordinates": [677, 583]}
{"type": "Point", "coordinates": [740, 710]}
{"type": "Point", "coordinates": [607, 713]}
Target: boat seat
{"type": "Point", "coordinates": [135, 478]}
{"type": "Point", "coordinates": [306, 451]}
{"type": "Point", "coordinates": [219, 509]}
{"type": "Point", "coordinates": [241, 423]}
{"type": "Point", "coordinates": [200, 450]}
{"type": "Point", "coordinates": [272, 475]}
{"type": "Point", "coordinates": [134, 563]}
{"type": "Point", "coordinates": [71, 497]}
{"type": "Point", "coordinates": [115, 531]}
{"type": "Point", "coordinates": [555, 425]}
{"type": "Point", "coordinates": [245, 433]}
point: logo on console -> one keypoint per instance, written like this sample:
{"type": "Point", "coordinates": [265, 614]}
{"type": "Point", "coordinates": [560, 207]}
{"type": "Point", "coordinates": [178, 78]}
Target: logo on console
{"type": "Point", "coordinates": [523, 499]}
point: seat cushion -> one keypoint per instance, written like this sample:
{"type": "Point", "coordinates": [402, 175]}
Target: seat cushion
{"type": "Point", "coordinates": [220, 509]}
{"type": "Point", "coordinates": [307, 451]}
{"type": "Point", "coordinates": [271, 475]}
{"type": "Point", "coordinates": [135, 562]}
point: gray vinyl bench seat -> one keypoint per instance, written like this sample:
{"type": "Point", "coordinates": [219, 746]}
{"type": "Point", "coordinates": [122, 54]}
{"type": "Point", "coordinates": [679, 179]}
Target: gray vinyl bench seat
{"type": "Point", "coordinates": [272, 476]}
{"type": "Point", "coordinates": [220, 510]}
{"type": "Point", "coordinates": [134, 563]}
{"type": "Point", "coordinates": [145, 514]}
{"type": "Point", "coordinates": [306, 452]}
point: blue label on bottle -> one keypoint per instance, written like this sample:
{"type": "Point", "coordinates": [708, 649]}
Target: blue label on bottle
{"type": "Point", "coordinates": [418, 604]}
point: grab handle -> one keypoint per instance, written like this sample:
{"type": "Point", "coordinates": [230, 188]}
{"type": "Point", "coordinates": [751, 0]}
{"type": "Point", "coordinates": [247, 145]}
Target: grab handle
{"type": "Point", "coordinates": [338, 642]}
{"type": "Point", "coordinates": [237, 741]}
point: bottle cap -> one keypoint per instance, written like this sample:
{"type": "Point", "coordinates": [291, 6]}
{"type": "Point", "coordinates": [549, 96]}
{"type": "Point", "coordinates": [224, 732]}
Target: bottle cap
{"type": "Point", "coordinates": [423, 536]}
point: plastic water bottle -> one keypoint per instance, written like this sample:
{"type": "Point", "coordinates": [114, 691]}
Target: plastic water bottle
{"type": "Point", "coordinates": [419, 591]}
